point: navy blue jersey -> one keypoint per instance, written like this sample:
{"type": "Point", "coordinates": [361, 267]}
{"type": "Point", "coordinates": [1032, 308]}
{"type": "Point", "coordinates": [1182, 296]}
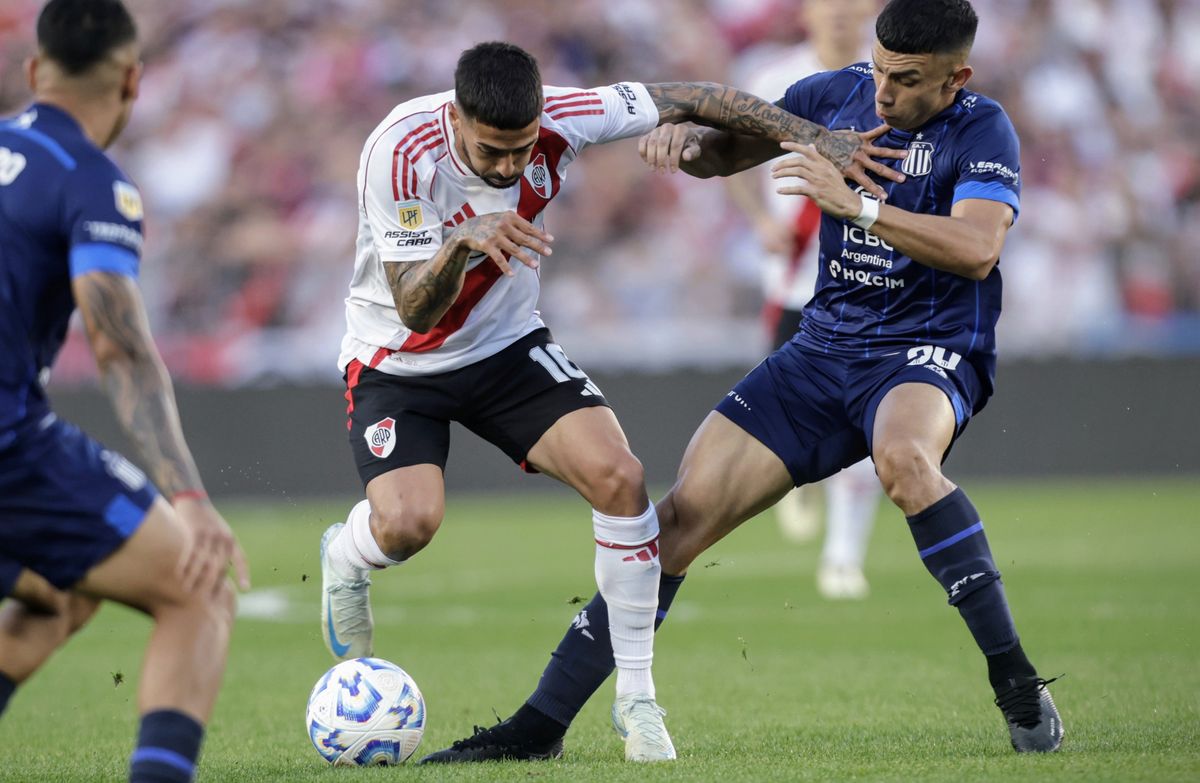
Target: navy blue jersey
{"type": "Point", "coordinates": [65, 210]}
{"type": "Point", "coordinates": [871, 299]}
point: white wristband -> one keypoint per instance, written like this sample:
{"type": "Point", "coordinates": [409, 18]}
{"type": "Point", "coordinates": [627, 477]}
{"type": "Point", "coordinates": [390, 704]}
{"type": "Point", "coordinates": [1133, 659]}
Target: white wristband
{"type": "Point", "coordinates": [868, 214]}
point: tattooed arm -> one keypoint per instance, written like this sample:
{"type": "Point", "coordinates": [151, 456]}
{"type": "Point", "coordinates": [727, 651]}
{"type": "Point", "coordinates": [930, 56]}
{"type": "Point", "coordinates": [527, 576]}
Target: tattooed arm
{"type": "Point", "coordinates": [134, 378]}
{"type": "Point", "coordinates": [425, 290]}
{"type": "Point", "coordinates": [140, 390]}
{"type": "Point", "coordinates": [745, 131]}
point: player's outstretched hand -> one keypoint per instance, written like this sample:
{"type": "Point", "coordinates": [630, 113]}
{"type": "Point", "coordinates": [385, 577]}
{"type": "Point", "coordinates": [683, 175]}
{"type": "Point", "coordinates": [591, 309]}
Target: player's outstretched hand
{"type": "Point", "coordinates": [665, 146]}
{"type": "Point", "coordinates": [501, 233]}
{"type": "Point", "coordinates": [212, 549]}
{"type": "Point", "coordinates": [815, 176]}
{"type": "Point", "coordinates": [855, 156]}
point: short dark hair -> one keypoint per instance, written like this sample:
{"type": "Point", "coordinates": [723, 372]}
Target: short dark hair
{"type": "Point", "coordinates": [498, 84]}
{"type": "Point", "coordinates": [79, 34]}
{"type": "Point", "coordinates": [926, 26]}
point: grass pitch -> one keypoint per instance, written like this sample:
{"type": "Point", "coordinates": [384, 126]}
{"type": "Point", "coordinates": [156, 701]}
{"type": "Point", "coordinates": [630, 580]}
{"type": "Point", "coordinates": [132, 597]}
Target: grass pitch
{"type": "Point", "coordinates": [763, 680]}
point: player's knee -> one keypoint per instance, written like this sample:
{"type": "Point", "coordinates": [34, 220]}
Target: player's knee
{"type": "Point", "coordinates": [407, 526]}
{"type": "Point", "coordinates": [617, 486]}
{"type": "Point", "coordinates": [906, 472]}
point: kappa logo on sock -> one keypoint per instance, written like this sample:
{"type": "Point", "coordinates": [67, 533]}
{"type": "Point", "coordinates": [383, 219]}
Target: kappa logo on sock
{"type": "Point", "coordinates": [381, 437]}
{"type": "Point", "coordinates": [644, 555]}
{"type": "Point", "coordinates": [580, 623]}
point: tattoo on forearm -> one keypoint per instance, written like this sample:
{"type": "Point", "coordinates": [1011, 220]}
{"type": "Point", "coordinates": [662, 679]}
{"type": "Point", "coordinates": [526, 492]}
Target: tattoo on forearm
{"type": "Point", "coordinates": [424, 291]}
{"type": "Point", "coordinates": [135, 381]}
{"type": "Point", "coordinates": [730, 109]}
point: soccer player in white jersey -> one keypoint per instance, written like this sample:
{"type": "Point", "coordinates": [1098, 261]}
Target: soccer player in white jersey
{"type": "Point", "coordinates": [442, 326]}
{"type": "Point", "coordinates": [786, 229]}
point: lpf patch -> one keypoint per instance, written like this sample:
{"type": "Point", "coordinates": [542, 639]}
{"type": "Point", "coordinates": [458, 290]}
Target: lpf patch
{"type": "Point", "coordinates": [381, 437]}
{"type": "Point", "coordinates": [129, 201]}
{"type": "Point", "coordinates": [538, 175]}
{"type": "Point", "coordinates": [920, 159]}
{"type": "Point", "coordinates": [410, 215]}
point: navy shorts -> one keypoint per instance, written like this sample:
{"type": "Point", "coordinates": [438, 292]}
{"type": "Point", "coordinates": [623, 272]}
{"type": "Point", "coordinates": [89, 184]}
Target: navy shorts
{"type": "Point", "coordinates": [816, 412]}
{"type": "Point", "coordinates": [66, 503]}
{"type": "Point", "coordinates": [509, 399]}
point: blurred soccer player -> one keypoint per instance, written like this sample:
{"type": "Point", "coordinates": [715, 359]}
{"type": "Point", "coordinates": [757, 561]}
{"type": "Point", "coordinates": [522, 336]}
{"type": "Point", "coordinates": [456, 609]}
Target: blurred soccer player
{"type": "Point", "coordinates": [79, 523]}
{"type": "Point", "coordinates": [894, 355]}
{"type": "Point", "coordinates": [786, 228]}
{"type": "Point", "coordinates": [443, 326]}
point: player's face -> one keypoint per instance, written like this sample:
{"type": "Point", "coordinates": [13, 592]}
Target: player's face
{"type": "Point", "coordinates": [498, 157]}
{"type": "Point", "coordinates": [911, 88]}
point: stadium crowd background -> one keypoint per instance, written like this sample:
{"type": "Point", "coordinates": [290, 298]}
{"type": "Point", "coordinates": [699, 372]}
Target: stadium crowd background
{"type": "Point", "coordinates": [253, 114]}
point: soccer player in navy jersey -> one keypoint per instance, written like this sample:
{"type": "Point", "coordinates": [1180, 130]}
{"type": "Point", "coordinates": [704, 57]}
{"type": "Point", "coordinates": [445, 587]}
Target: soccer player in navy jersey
{"type": "Point", "coordinates": [78, 522]}
{"type": "Point", "coordinates": [894, 355]}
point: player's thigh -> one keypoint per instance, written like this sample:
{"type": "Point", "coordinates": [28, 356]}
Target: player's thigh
{"type": "Point", "coordinates": [587, 450]}
{"type": "Point", "coordinates": [915, 416]}
{"type": "Point", "coordinates": [66, 503]}
{"type": "Point", "coordinates": [38, 594]}
{"type": "Point", "coordinates": [399, 422]}
{"type": "Point", "coordinates": [144, 572]}
{"type": "Point", "coordinates": [726, 477]}
{"type": "Point", "coordinates": [522, 393]}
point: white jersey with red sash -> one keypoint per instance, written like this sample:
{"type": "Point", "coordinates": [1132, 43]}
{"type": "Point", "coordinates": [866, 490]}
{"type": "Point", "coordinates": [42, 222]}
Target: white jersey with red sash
{"type": "Point", "coordinates": [415, 189]}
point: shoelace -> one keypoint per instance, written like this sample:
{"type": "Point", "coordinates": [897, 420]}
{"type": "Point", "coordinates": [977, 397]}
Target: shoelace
{"type": "Point", "coordinates": [647, 719]}
{"type": "Point", "coordinates": [483, 737]}
{"type": "Point", "coordinates": [353, 621]}
{"type": "Point", "coordinates": [1022, 704]}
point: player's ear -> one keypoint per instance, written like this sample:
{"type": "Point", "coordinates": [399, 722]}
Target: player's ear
{"type": "Point", "coordinates": [31, 66]}
{"type": "Point", "coordinates": [959, 77]}
{"type": "Point", "coordinates": [131, 82]}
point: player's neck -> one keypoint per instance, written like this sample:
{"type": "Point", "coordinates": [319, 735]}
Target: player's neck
{"type": "Point", "coordinates": [95, 118]}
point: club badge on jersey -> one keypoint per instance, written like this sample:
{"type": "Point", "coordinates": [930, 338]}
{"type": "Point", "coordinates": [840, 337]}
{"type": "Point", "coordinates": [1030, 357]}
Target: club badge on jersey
{"type": "Point", "coordinates": [537, 173]}
{"type": "Point", "coordinates": [920, 159]}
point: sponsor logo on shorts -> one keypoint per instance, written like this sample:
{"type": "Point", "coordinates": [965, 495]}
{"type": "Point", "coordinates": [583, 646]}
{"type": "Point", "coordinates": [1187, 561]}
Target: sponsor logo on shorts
{"type": "Point", "coordinates": [129, 201]}
{"type": "Point", "coordinates": [381, 437]}
{"type": "Point", "coordinates": [123, 470]}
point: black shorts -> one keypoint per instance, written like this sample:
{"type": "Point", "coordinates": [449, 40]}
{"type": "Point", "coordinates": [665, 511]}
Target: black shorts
{"type": "Point", "coordinates": [509, 399]}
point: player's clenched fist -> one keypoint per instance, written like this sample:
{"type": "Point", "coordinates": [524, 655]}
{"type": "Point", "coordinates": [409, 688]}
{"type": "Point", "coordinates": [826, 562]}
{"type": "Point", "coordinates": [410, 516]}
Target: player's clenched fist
{"type": "Point", "coordinates": [499, 233]}
{"type": "Point", "coordinates": [665, 146]}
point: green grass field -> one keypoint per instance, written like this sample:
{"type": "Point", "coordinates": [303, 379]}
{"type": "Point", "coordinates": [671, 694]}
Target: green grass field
{"type": "Point", "coordinates": [763, 680]}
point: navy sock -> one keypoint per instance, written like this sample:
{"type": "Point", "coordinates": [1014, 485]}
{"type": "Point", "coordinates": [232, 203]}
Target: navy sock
{"type": "Point", "coordinates": [7, 687]}
{"type": "Point", "coordinates": [584, 658]}
{"type": "Point", "coordinates": [1009, 665]}
{"type": "Point", "coordinates": [952, 544]}
{"type": "Point", "coordinates": [167, 747]}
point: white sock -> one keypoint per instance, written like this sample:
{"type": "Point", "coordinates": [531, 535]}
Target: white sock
{"type": "Point", "coordinates": [852, 497]}
{"type": "Point", "coordinates": [627, 573]}
{"type": "Point", "coordinates": [353, 551]}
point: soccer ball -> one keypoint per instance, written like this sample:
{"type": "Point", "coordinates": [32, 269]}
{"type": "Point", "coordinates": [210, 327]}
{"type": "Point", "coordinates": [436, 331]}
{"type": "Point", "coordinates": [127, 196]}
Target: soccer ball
{"type": "Point", "coordinates": [365, 712]}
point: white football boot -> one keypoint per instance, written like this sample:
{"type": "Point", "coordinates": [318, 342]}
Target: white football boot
{"type": "Point", "coordinates": [639, 719]}
{"type": "Point", "coordinates": [346, 622]}
{"type": "Point", "coordinates": [842, 583]}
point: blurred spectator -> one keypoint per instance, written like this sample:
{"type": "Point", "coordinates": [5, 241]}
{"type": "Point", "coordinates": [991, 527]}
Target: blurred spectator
{"type": "Point", "coordinates": [255, 112]}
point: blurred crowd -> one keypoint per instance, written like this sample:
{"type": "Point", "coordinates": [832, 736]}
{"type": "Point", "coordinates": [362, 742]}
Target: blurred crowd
{"type": "Point", "coordinates": [247, 135]}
